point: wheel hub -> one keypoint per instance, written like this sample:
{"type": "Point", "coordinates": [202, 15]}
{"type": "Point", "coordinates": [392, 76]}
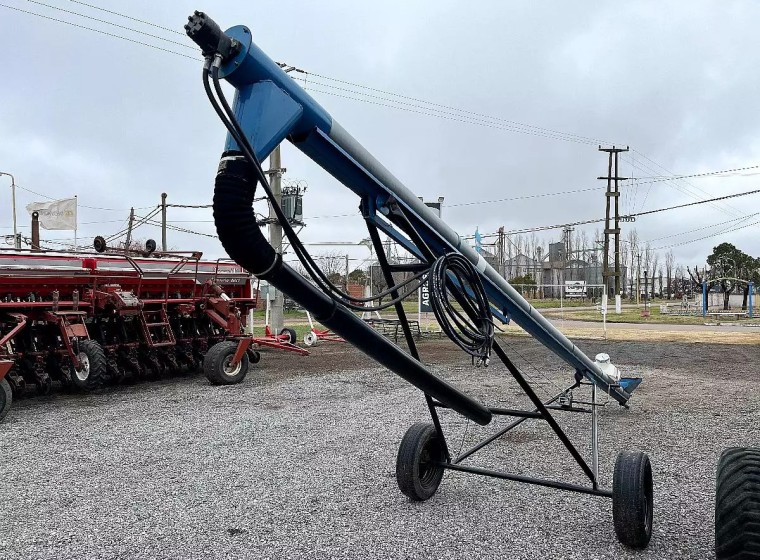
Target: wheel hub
{"type": "Point", "coordinates": [229, 369]}
{"type": "Point", "coordinates": [83, 371]}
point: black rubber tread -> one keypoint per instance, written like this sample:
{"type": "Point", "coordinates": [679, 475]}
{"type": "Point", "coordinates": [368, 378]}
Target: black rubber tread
{"type": "Point", "coordinates": [6, 398]}
{"type": "Point", "coordinates": [213, 364]}
{"type": "Point", "coordinates": [632, 499]}
{"type": "Point", "coordinates": [98, 367]}
{"type": "Point", "coordinates": [291, 335]}
{"type": "Point", "coordinates": [415, 477]}
{"type": "Point", "coordinates": [737, 504]}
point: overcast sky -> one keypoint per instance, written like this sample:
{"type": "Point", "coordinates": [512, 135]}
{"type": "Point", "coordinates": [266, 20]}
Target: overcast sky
{"type": "Point", "coordinates": [117, 123]}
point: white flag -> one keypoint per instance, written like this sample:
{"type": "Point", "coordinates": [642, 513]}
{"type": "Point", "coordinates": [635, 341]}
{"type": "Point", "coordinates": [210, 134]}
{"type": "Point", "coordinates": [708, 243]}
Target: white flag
{"type": "Point", "coordinates": [58, 214]}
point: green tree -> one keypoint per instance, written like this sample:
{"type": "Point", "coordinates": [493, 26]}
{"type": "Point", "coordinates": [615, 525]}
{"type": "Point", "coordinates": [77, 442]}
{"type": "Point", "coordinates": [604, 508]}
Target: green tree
{"type": "Point", "coordinates": [357, 276]}
{"type": "Point", "coordinates": [524, 284]}
{"type": "Point", "coordinates": [730, 268]}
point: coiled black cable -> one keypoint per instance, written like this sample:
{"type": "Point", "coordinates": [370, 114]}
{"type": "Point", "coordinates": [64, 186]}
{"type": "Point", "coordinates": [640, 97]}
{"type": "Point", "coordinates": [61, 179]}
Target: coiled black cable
{"type": "Point", "coordinates": [453, 276]}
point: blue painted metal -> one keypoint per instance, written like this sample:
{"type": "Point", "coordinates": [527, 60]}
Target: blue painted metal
{"type": "Point", "coordinates": [310, 128]}
{"type": "Point", "coordinates": [266, 114]}
{"type": "Point", "coordinates": [704, 299]}
{"type": "Point", "coordinates": [630, 383]}
{"type": "Point", "coordinates": [251, 65]}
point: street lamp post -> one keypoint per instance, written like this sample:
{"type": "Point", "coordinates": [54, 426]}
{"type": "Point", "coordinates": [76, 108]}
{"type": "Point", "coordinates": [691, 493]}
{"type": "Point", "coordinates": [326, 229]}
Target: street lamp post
{"type": "Point", "coordinates": [13, 203]}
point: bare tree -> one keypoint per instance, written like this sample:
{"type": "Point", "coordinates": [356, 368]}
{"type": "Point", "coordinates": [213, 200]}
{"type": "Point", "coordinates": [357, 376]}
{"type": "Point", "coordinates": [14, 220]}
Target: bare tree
{"type": "Point", "coordinates": [632, 246]}
{"type": "Point", "coordinates": [680, 282]}
{"type": "Point", "coordinates": [655, 268]}
{"type": "Point", "coordinates": [669, 262]}
{"type": "Point", "coordinates": [333, 264]}
{"type": "Point", "coordinates": [624, 262]}
{"type": "Point", "coordinates": [696, 275]}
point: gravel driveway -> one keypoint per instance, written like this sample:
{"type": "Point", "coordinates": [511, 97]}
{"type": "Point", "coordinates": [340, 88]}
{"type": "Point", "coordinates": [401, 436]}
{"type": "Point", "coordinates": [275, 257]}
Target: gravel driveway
{"type": "Point", "coordinates": [299, 461]}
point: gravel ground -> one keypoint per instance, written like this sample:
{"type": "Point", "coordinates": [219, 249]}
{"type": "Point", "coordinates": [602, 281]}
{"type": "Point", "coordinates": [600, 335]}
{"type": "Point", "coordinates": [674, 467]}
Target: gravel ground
{"type": "Point", "coordinates": [299, 461]}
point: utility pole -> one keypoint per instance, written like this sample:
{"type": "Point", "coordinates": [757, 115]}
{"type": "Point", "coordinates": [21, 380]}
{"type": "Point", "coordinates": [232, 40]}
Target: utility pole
{"type": "Point", "coordinates": [163, 221]}
{"type": "Point", "coordinates": [567, 254]}
{"type": "Point", "coordinates": [16, 236]}
{"type": "Point", "coordinates": [502, 262]}
{"type": "Point", "coordinates": [345, 283]}
{"type": "Point", "coordinates": [129, 229]}
{"type": "Point", "coordinates": [638, 280]}
{"type": "Point", "coordinates": [275, 234]}
{"type": "Point", "coordinates": [613, 191]}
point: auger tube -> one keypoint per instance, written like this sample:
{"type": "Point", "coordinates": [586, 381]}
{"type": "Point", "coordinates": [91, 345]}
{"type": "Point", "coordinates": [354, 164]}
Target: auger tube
{"type": "Point", "coordinates": [271, 107]}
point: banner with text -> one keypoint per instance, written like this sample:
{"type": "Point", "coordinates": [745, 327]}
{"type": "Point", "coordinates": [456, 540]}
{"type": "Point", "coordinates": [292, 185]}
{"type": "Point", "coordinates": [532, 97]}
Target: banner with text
{"type": "Point", "coordinates": [57, 214]}
{"type": "Point", "coordinates": [425, 306]}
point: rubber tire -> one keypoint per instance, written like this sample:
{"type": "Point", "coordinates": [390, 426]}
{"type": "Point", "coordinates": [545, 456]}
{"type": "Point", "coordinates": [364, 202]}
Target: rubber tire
{"type": "Point", "coordinates": [632, 499]}
{"type": "Point", "coordinates": [737, 504]}
{"type": "Point", "coordinates": [6, 398]}
{"type": "Point", "coordinates": [98, 367]}
{"type": "Point", "coordinates": [292, 337]}
{"type": "Point", "coordinates": [217, 357]}
{"type": "Point", "coordinates": [415, 477]}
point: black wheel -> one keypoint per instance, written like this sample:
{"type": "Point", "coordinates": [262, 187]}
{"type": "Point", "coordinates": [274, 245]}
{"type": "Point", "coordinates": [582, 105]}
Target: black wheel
{"type": "Point", "coordinates": [216, 364]}
{"type": "Point", "coordinates": [737, 504]}
{"type": "Point", "coordinates": [632, 499]}
{"type": "Point", "coordinates": [417, 472]}
{"type": "Point", "coordinates": [6, 398]}
{"type": "Point", "coordinates": [291, 335]}
{"type": "Point", "coordinates": [93, 366]}
{"type": "Point", "coordinates": [254, 356]}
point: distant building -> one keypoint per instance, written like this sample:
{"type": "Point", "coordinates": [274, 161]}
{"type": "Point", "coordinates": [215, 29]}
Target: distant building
{"type": "Point", "coordinates": [551, 274]}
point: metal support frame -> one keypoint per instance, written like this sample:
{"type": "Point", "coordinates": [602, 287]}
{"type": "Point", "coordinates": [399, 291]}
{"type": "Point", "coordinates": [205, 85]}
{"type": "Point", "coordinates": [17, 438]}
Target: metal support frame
{"type": "Point", "coordinates": [541, 409]}
{"type": "Point", "coordinates": [388, 275]}
{"type": "Point", "coordinates": [264, 89]}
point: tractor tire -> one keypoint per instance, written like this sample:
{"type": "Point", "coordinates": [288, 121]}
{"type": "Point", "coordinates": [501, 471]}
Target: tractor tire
{"type": "Point", "coordinates": [6, 398]}
{"type": "Point", "coordinates": [216, 364]}
{"type": "Point", "coordinates": [292, 338]}
{"type": "Point", "coordinates": [93, 371]}
{"type": "Point", "coordinates": [632, 499]}
{"type": "Point", "coordinates": [737, 504]}
{"type": "Point", "coordinates": [417, 473]}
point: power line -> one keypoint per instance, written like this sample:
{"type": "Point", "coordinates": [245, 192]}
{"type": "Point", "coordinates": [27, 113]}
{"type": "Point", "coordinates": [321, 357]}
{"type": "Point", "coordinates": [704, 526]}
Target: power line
{"type": "Point", "coordinates": [137, 224]}
{"type": "Point", "coordinates": [688, 188]}
{"type": "Point", "coordinates": [112, 23]}
{"type": "Point", "coordinates": [526, 197]}
{"type": "Point", "coordinates": [101, 32]}
{"type": "Point", "coordinates": [447, 108]}
{"type": "Point", "coordinates": [427, 108]}
{"type": "Point", "coordinates": [181, 229]}
{"type": "Point", "coordinates": [189, 205]}
{"type": "Point", "coordinates": [82, 205]}
{"type": "Point", "coordinates": [661, 178]}
{"type": "Point", "coordinates": [726, 197]}
{"type": "Point", "coordinates": [740, 219]}
{"type": "Point", "coordinates": [431, 112]}
{"type": "Point", "coordinates": [636, 215]}
{"type": "Point", "coordinates": [129, 17]}
{"type": "Point", "coordinates": [707, 236]}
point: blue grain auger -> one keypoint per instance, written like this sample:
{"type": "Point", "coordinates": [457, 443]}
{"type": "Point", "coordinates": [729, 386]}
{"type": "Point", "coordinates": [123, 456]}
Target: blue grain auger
{"type": "Point", "coordinates": [466, 293]}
